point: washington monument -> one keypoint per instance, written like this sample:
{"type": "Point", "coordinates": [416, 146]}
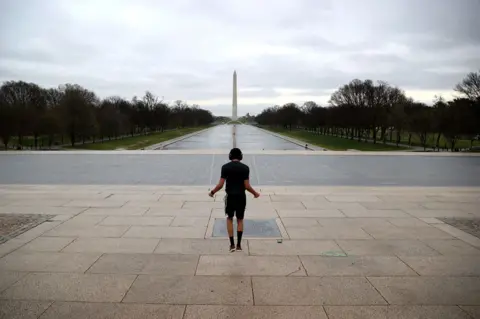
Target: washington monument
{"type": "Point", "coordinates": [234, 99]}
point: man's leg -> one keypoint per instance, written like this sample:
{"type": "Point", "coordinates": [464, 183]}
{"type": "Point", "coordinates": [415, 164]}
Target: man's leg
{"type": "Point", "coordinates": [239, 233]}
{"type": "Point", "coordinates": [230, 231]}
{"type": "Point", "coordinates": [240, 213]}
{"type": "Point", "coordinates": [230, 212]}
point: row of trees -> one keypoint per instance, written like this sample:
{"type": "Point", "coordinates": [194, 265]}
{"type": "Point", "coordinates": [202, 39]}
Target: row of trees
{"type": "Point", "coordinates": [28, 110]}
{"type": "Point", "coordinates": [365, 110]}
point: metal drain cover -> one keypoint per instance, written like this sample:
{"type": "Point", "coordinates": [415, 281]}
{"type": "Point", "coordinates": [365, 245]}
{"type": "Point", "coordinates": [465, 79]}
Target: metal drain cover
{"type": "Point", "coordinates": [251, 228]}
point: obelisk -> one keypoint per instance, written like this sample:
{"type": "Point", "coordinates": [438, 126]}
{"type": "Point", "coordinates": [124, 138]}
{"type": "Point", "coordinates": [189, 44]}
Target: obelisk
{"type": "Point", "coordinates": [234, 101]}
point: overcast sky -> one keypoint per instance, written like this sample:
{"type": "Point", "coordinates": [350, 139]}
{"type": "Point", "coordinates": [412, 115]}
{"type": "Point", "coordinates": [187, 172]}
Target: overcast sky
{"type": "Point", "coordinates": [283, 51]}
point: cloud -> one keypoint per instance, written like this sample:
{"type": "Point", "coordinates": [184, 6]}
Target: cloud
{"type": "Point", "coordinates": [284, 51]}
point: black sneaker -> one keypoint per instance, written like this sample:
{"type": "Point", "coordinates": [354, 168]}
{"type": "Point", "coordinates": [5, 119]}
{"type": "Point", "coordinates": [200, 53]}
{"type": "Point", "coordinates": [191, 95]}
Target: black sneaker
{"type": "Point", "coordinates": [239, 248]}
{"type": "Point", "coordinates": [232, 248]}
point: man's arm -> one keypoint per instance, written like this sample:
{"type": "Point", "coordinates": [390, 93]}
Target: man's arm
{"type": "Point", "coordinates": [218, 187]}
{"type": "Point", "coordinates": [249, 188]}
{"type": "Point", "coordinates": [246, 182]}
{"type": "Point", "coordinates": [221, 182]}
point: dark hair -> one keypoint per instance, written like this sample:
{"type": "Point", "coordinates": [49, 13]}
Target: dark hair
{"type": "Point", "coordinates": [235, 154]}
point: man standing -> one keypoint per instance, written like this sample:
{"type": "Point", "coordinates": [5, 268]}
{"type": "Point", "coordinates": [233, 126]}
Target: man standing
{"type": "Point", "coordinates": [236, 174]}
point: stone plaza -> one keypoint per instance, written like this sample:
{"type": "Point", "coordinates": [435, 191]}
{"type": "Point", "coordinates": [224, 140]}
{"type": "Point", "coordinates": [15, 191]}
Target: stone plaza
{"type": "Point", "coordinates": [335, 248]}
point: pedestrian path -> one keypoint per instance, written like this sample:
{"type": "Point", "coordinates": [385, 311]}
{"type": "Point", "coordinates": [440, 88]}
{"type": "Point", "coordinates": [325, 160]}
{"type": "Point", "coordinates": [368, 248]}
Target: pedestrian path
{"type": "Point", "coordinates": [148, 252]}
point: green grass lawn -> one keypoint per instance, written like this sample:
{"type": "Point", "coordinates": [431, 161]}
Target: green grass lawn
{"type": "Point", "coordinates": [139, 142]}
{"type": "Point", "coordinates": [431, 141]}
{"type": "Point", "coordinates": [334, 143]}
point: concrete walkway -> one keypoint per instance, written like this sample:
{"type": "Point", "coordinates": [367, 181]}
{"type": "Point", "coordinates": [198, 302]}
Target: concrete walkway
{"type": "Point", "coordinates": [148, 252]}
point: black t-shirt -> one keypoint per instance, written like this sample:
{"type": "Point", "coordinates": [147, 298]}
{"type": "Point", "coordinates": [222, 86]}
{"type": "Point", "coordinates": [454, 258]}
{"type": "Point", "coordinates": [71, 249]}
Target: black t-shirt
{"type": "Point", "coordinates": [235, 173]}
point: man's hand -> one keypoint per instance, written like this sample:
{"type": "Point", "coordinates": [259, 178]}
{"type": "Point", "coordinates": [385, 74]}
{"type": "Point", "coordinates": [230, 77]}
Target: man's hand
{"type": "Point", "coordinates": [256, 195]}
{"type": "Point", "coordinates": [211, 194]}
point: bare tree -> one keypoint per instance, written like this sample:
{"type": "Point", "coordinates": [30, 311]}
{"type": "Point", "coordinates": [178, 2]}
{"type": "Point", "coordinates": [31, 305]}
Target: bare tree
{"type": "Point", "coordinates": [7, 118]}
{"type": "Point", "coordinates": [470, 86]}
{"type": "Point", "coordinates": [379, 98]}
{"type": "Point", "coordinates": [78, 111]}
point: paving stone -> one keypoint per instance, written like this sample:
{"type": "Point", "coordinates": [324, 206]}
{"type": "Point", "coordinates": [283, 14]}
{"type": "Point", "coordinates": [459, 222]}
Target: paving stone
{"type": "Point", "coordinates": [296, 198]}
{"type": "Point", "coordinates": [16, 309]}
{"type": "Point", "coordinates": [61, 217]}
{"type": "Point", "coordinates": [352, 199]}
{"type": "Point", "coordinates": [428, 290]}
{"type": "Point", "coordinates": [408, 222]}
{"type": "Point", "coordinates": [190, 221]}
{"type": "Point", "coordinates": [407, 233]}
{"type": "Point", "coordinates": [112, 245]}
{"type": "Point", "coordinates": [96, 203]}
{"type": "Point", "coordinates": [153, 204]}
{"type": "Point", "coordinates": [452, 247]}
{"type": "Point", "coordinates": [134, 197]}
{"type": "Point", "coordinates": [204, 205]}
{"type": "Point", "coordinates": [312, 213]}
{"type": "Point", "coordinates": [395, 312]}
{"type": "Point", "coordinates": [355, 266]}
{"type": "Point", "coordinates": [330, 205]}
{"type": "Point", "coordinates": [172, 265]}
{"type": "Point", "coordinates": [70, 287]}
{"type": "Point", "coordinates": [340, 232]}
{"type": "Point", "coordinates": [431, 220]}
{"type": "Point", "coordinates": [187, 197]}
{"type": "Point", "coordinates": [354, 222]}
{"type": "Point", "coordinates": [391, 205]}
{"type": "Point", "coordinates": [449, 198]}
{"type": "Point", "coordinates": [466, 207]}
{"type": "Point", "coordinates": [315, 291]}
{"type": "Point", "coordinates": [253, 204]}
{"type": "Point", "coordinates": [257, 312]}
{"type": "Point", "coordinates": [201, 212]}
{"type": "Point", "coordinates": [445, 265]}
{"type": "Point", "coordinates": [115, 211]}
{"type": "Point", "coordinates": [238, 265]}
{"type": "Point", "coordinates": [84, 219]}
{"type": "Point", "coordinates": [294, 247]}
{"type": "Point", "coordinates": [41, 210]}
{"type": "Point", "coordinates": [386, 247]}
{"type": "Point", "coordinates": [404, 198]}
{"type": "Point", "coordinates": [87, 231]}
{"type": "Point", "coordinates": [8, 278]}
{"type": "Point", "coordinates": [165, 232]}
{"type": "Point", "coordinates": [300, 222]}
{"type": "Point", "coordinates": [37, 231]}
{"type": "Point", "coordinates": [468, 225]}
{"type": "Point", "coordinates": [196, 247]}
{"type": "Point", "coordinates": [11, 245]}
{"type": "Point", "coordinates": [472, 240]}
{"type": "Point", "coordinates": [52, 244]}
{"type": "Point", "coordinates": [191, 290]}
{"type": "Point", "coordinates": [69, 310]}
{"type": "Point", "coordinates": [47, 261]}
{"type": "Point", "coordinates": [432, 213]}
{"type": "Point", "coordinates": [374, 213]}
{"type": "Point", "coordinates": [39, 202]}
{"type": "Point", "coordinates": [288, 205]}
{"type": "Point", "coordinates": [137, 221]}
{"type": "Point", "coordinates": [473, 311]}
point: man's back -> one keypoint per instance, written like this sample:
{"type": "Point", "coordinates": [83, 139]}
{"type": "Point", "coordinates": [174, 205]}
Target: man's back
{"type": "Point", "coordinates": [235, 173]}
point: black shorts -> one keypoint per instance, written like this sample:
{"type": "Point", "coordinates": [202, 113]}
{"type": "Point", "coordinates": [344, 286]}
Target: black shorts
{"type": "Point", "coordinates": [235, 205]}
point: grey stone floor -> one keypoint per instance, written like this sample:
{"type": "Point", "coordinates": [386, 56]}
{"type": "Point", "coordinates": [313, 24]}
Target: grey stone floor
{"type": "Point", "coordinates": [148, 252]}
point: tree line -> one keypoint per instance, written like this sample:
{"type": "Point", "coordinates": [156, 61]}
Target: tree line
{"type": "Point", "coordinates": [368, 111]}
{"type": "Point", "coordinates": [73, 114]}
